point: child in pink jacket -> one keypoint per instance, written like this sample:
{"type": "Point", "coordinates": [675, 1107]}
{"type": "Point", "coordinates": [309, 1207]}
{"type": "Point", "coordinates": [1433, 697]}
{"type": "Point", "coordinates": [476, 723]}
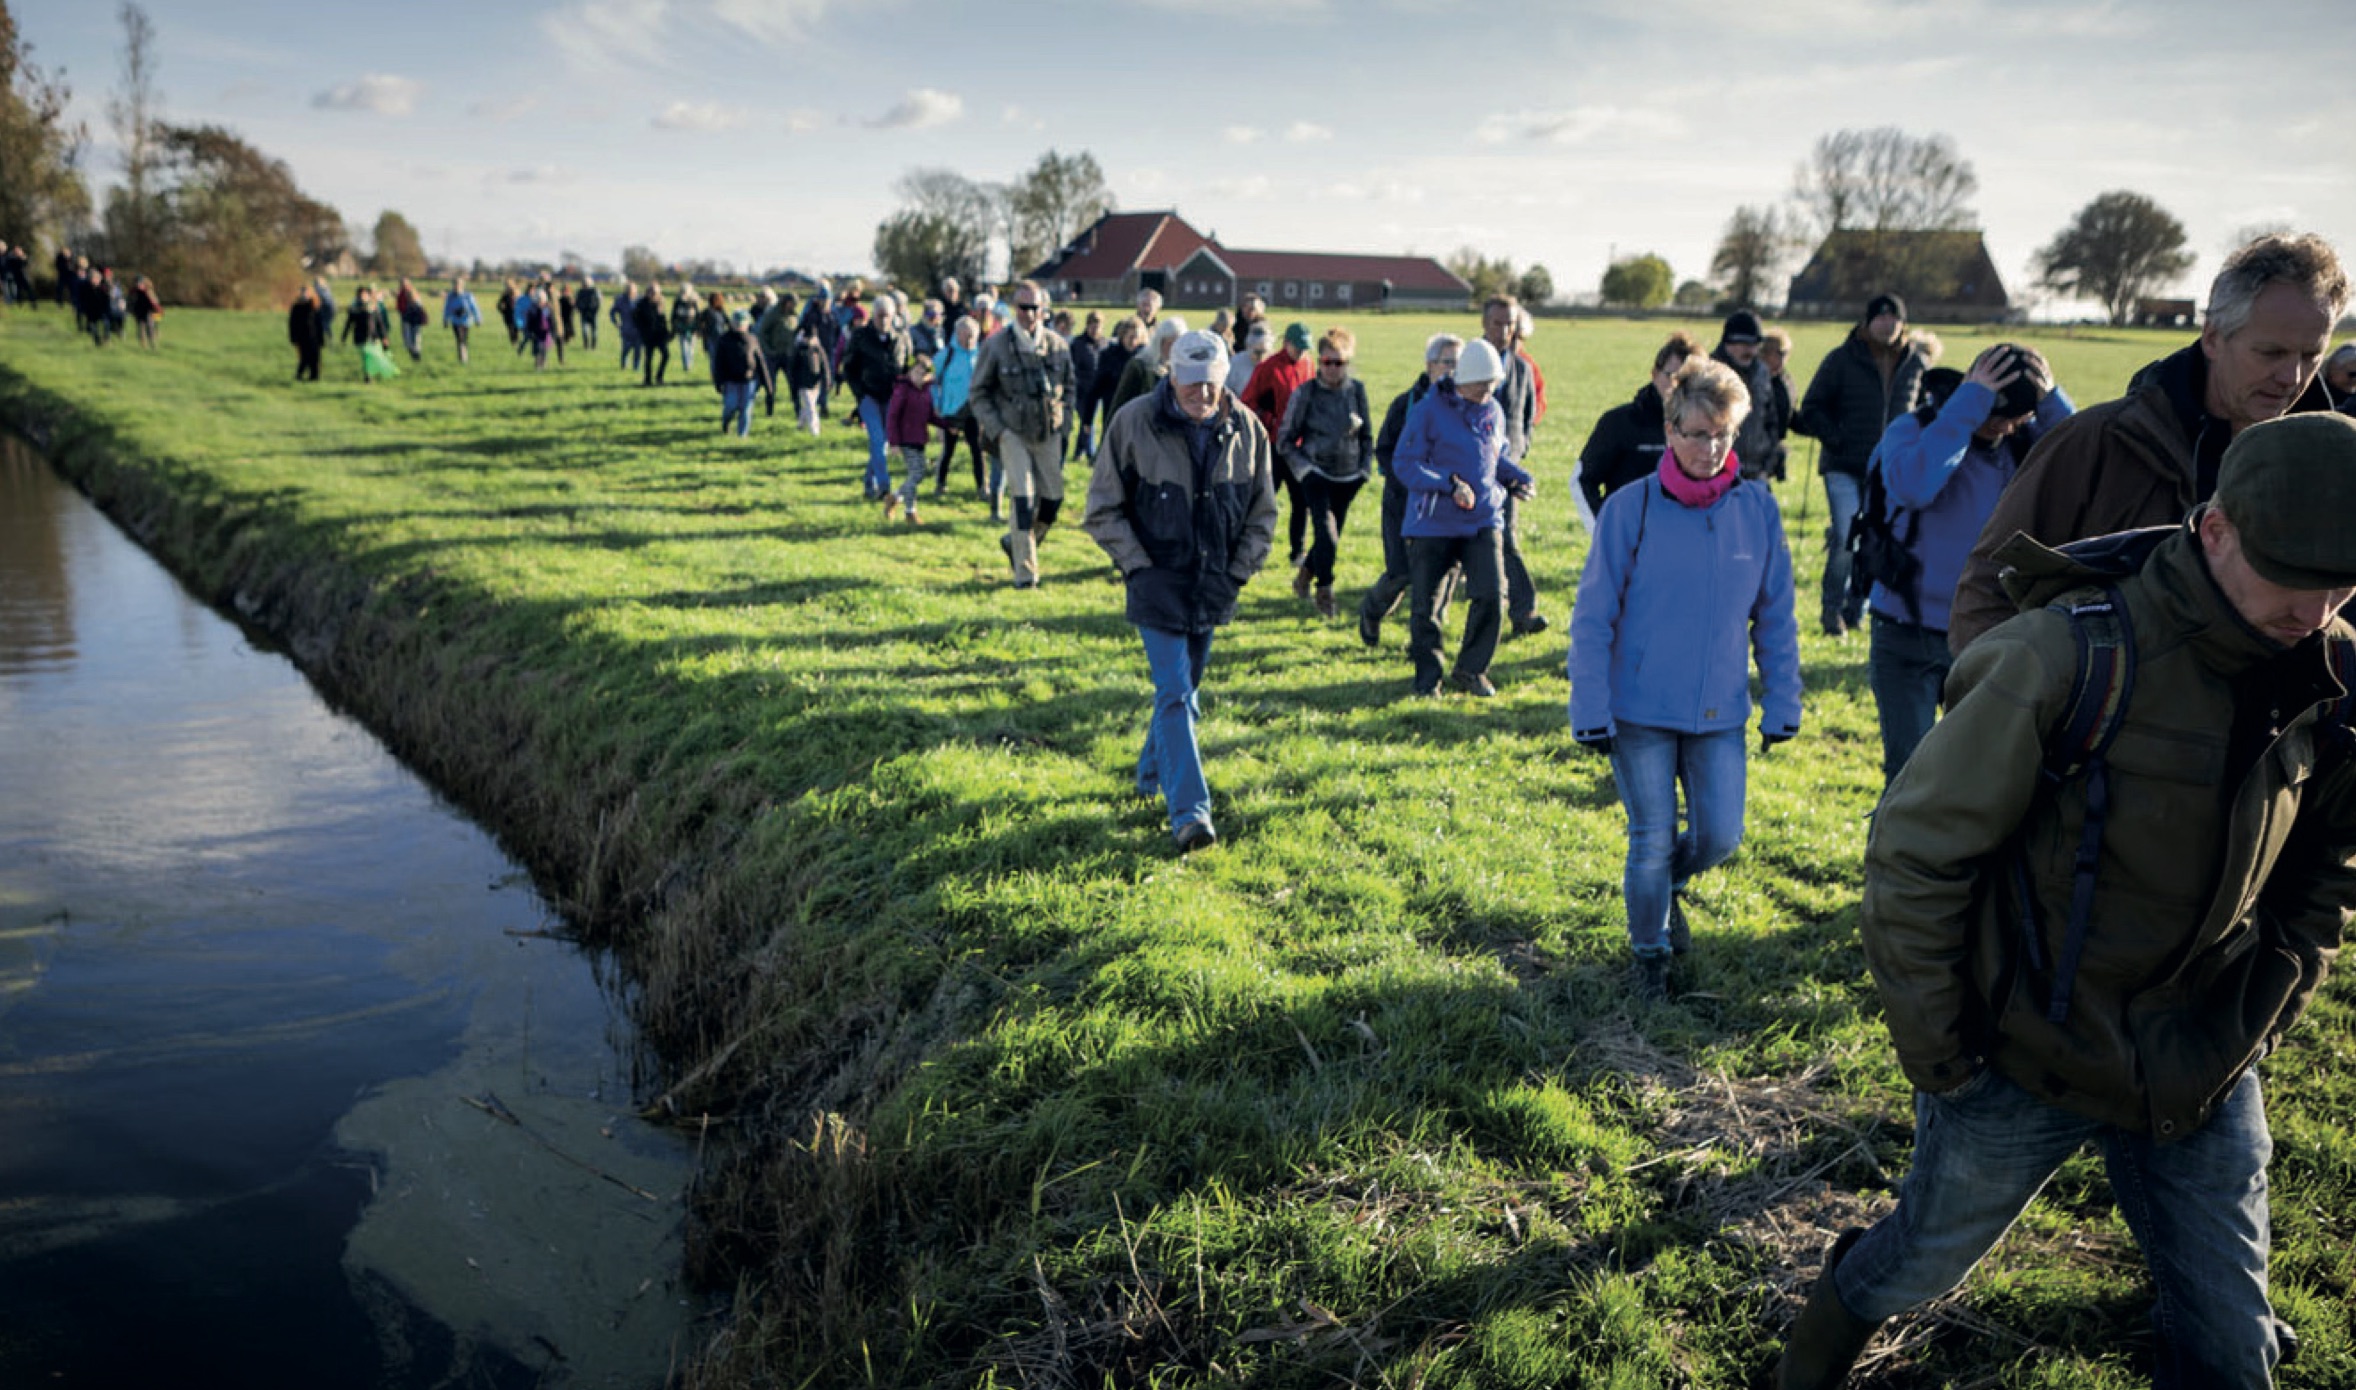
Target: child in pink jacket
{"type": "Point", "coordinates": [908, 423]}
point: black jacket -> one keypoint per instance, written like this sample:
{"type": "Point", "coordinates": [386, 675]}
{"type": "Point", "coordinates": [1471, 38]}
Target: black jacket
{"type": "Point", "coordinates": [1386, 439]}
{"type": "Point", "coordinates": [1624, 447]}
{"type": "Point", "coordinates": [1849, 402]}
{"type": "Point", "coordinates": [873, 363]}
{"type": "Point", "coordinates": [1754, 443]}
{"type": "Point", "coordinates": [654, 326]}
{"type": "Point", "coordinates": [736, 356]}
{"type": "Point", "coordinates": [305, 326]}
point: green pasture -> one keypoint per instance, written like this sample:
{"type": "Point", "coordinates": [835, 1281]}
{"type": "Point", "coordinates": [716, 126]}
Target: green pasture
{"type": "Point", "coordinates": [999, 1091]}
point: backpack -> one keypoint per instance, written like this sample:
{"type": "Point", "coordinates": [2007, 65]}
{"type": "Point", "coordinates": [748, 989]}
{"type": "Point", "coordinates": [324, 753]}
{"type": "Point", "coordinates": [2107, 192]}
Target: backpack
{"type": "Point", "coordinates": [1879, 553]}
{"type": "Point", "coordinates": [2101, 690]}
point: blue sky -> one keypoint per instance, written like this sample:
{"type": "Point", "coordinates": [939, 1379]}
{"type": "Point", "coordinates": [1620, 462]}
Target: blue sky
{"type": "Point", "coordinates": [771, 131]}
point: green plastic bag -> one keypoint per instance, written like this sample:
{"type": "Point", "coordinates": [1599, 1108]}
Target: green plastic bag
{"type": "Point", "coordinates": [377, 364]}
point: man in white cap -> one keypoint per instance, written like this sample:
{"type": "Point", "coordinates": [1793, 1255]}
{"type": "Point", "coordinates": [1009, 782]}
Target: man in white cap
{"type": "Point", "coordinates": [1183, 499]}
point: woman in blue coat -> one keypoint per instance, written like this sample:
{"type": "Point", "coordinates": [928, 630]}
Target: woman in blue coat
{"type": "Point", "coordinates": [1687, 580]}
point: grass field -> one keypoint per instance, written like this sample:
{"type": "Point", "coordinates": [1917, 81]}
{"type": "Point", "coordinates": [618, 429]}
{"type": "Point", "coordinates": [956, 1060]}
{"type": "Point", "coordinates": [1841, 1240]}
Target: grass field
{"type": "Point", "coordinates": [1001, 1091]}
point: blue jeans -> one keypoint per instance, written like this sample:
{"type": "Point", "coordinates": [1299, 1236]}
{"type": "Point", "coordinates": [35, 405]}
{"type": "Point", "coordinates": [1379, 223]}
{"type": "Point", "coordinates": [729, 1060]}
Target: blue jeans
{"type": "Point", "coordinates": [879, 465]}
{"type": "Point", "coordinates": [1649, 765]}
{"type": "Point", "coordinates": [2197, 1208]}
{"type": "Point", "coordinates": [736, 403]}
{"type": "Point", "coordinates": [1843, 494]}
{"type": "Point", "coordinates": [1171, 763]}
{"type": "Point", "coordinates": [1907, 665]}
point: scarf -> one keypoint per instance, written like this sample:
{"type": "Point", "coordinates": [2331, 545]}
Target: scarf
{"type": "Point", "coordinates": [1697, 492]}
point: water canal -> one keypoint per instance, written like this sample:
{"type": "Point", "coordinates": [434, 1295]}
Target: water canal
{"type": "Point", "coordinates": [297, 1087]}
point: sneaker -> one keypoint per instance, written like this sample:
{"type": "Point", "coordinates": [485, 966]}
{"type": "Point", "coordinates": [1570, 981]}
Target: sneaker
{"type": "Point", "coordinates": [1026, 583]}
{"type": "Point", "coordinates": [1427, 692]}
{"type": "Point", "coordinates": [911, 517]}
{"type": "Point", "coordinates": [1680, 932]}
{"type": "Point", "coordinates": [1529, 625]}
{"type": "Point", "coordinates": [1648, 979]}
{"type": "Point", "coordinates": [1370, 629]}
{"type": "Point", "coordinates": [1194, 835]}
{"type": "Point", "coordinates": [1300, 581]}
{"type": "Point", "coordinates": [1835, 627]}
{"type": "Point", "coordinates": [1326, 607]}
{"type": "Point", "coordinates": [1473, 683]}
{"type": "Point", "coordinates": [891, 505]}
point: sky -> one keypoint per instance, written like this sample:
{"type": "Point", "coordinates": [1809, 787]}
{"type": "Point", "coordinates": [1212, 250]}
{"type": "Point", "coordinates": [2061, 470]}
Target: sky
{"type": "Point", "coordinates": [771, 132]}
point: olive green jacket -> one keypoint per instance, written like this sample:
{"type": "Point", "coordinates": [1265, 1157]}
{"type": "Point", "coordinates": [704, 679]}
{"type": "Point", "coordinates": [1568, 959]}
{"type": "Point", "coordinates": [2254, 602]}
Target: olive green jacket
{"type": "Point", "coordinates": [2217, 908]}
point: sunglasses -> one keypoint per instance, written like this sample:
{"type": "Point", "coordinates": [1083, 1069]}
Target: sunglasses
{"type": "Point", "coordinates": [1026, 308]}
{"type": "Point", "coordinates": [1333, 361]}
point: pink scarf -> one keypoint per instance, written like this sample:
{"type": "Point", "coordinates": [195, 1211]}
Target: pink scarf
{"type": "Point", "coordinates": [1697, 492]}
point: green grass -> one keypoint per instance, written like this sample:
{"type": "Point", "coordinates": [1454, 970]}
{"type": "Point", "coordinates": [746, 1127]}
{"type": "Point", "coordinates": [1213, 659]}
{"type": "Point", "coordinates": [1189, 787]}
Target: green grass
{"type": "Point", "coordinates": [1014, 1096]}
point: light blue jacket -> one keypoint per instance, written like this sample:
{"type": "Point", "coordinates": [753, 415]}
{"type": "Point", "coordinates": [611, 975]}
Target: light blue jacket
{"type": "Point", "coordinates": [1673, 604]}
{"type": "Point", "coordinates": [459, 308]}
{"type": "Point", "coordinates": [954, 380]}
{"type": "Point", "coordinates": [1943, 483]}
{"type": "Point", "coordinates": [1447, 437]}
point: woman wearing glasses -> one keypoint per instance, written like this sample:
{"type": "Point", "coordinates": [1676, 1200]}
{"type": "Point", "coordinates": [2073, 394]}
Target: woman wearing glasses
{"type": "Point", "coordinates": [1687, 580]}
{"type": "Point", "coordinates": [1627, 442]}
{"type": "Point", "coordinates": [1328, 442]}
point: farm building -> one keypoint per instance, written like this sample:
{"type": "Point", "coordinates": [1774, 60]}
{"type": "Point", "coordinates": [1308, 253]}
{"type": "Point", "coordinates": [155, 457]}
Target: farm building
{"type": "Point", "coordinates": [1945, 276]}
{"type": "Point", "coordinates": [1124, 252]}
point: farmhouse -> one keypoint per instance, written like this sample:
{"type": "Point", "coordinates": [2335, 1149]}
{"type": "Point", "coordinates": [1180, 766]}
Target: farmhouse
{"type": "Point", "coordinates": [1945, 276]}
{"type": "Point", "coordinates": [1124, 252]}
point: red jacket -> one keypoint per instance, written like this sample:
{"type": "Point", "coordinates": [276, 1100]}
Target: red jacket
{"type": "Point", "coordinates": [1272, 385]}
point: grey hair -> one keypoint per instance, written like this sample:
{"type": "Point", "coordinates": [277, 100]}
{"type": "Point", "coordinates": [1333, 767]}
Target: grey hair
{"type": "Point", "coordinates": [1166, 332]}
{"type": "Point", "coordinates": [1710, 387]}
{"type": "Point", "coordinates": [1439, 341]}
{"type": "Point", "coordinates": [2341, 357]}
{"type": "Point", "coordinates": [2306, 263]}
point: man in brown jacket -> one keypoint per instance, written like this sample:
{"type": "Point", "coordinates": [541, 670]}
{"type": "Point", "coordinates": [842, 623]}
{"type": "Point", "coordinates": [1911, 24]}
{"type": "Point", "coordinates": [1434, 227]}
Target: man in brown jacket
{"type": "Point", "coordinates": [1021, 392]}
{"type": "Point", "coordinates": [2036, 1007]}
{"type": "Point", "coordinates": [2149, 457]}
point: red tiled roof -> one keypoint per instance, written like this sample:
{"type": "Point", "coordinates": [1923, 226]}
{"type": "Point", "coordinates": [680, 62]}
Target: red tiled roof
{"type": "Point", "coordinates": [1122, 241]}
{"type": "Point", "coordinates": [1403, 272]}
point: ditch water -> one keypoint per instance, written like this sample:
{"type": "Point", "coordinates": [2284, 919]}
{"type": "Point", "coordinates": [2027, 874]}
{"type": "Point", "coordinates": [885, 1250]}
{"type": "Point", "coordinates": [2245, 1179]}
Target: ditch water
{"type": "Point", "coordinates": [297, 1088]}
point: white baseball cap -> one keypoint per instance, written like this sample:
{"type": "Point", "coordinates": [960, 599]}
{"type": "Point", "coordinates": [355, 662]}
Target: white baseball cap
{"type": "Point", "coordinates": [1198, 357]}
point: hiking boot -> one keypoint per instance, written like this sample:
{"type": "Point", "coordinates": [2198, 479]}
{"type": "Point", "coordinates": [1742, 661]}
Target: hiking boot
{"type": "Point", "coordinates": [1194, 835]}
{"type": "Point", "coordinates": [1680, 933]}
{"type": "Point", "coordinates": [1427, 690]}
{"type": "Point", "coordinates": [1834, 626]}
{"type": "Point", "coordinates": [1326, 607]}
{"type": "Point", "coordinates": [1529, 625]}
{"type": "Point", "coordinates": [1648, 979]}
{"type": "Point", "coordinates": [1826, 1338]}
{"type": "Point", "coordinates": [1473, 683]}
{"type": "Point", "coordinates": [1300, 581]}
{"type": "Point", "coordinates": [1370, 629]}
{"type": "Point", "coordinates": [911, 517]}
{"type": "Point", "coordinates": [891, 505]}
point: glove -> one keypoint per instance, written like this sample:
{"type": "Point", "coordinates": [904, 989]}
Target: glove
{"type": "Point", "coordinates": [1595, 743]}
{"type": "Point", "coordinates": [1767, 741]}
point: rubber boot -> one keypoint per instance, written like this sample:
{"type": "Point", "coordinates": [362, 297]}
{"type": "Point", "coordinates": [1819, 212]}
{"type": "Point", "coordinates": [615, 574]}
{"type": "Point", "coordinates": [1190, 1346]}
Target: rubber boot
{"type": "Point", "coordinates": [1826, 1339]}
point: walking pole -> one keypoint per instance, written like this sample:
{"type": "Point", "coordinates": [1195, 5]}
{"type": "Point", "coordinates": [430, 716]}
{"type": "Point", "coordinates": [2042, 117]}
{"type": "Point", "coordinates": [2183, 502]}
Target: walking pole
{"type": "Point", "coordinates": [1805, 490]}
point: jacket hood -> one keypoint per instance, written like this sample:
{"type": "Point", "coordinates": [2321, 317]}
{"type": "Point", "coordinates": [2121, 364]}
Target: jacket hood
{"type": "Point", "coordinates": [1650, 408]}
{"type": "Point", "coordinates": [2175, 577]}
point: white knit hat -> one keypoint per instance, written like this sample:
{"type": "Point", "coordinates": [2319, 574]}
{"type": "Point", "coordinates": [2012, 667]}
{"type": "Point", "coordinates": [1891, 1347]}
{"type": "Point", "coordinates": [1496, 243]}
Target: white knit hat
{"type": "Point", "coordinates": [1477, 362]}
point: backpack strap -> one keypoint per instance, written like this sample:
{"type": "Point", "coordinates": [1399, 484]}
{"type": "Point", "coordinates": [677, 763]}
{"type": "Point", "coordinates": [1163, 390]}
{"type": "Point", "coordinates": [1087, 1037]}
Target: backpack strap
{"type": "Point", "coordinates": [2100, 693]}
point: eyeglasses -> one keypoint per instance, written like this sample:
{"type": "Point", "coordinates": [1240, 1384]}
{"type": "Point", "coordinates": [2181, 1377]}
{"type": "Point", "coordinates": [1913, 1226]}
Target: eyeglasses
{"type": "Point", "coordinates": [1333, 362]}
{"type": "Point", "coordinates": [1022, 308]}
{"type": "Point", "coordinates": [1716, 439]}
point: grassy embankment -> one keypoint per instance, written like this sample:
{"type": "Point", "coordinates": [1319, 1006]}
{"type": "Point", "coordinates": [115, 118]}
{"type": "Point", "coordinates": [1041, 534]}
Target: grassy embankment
{"type": "Point", "coordinates": [1021, 1098]}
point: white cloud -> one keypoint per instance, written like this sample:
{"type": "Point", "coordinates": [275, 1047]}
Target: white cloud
{"type": "Point", "coordinates": [608, 35]}
{"type": "Point", "coordinates": [1241, 134]}
{"type": "Point", "coordinates": [802, 120]}
{"type": "Point", "coordinates": [698, 115]}
{"type": "Point", "coordinates": [1013, 115]}
{"type": "Point", "coordinates": [922, 109]}
{"type": "Point", "coordinates": [1557, 126]}
{"type": "Point", "coordinates": [381, 93]}
{"type": "Point", "coordinates": [1307, 133]}
{"type": "Point", "coordinates": [1250, 188]}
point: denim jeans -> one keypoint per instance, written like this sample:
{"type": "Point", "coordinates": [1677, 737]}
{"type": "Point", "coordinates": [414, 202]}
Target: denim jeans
{"type": "Point", "coordinates": [1843, 493]}
{"type": "Point", "coordinates": [1649, 765]}
{"type": "Point", "coordinates": [736, 403]}
{"type": "Point", "coordinates": [879, 464]}
{"type": "Point", "coordinates": [2197, 1207]}
{"type": "Point", "coordinates": [1907, 665]}
{"type": "Point", "coordinates": [1171, 763]}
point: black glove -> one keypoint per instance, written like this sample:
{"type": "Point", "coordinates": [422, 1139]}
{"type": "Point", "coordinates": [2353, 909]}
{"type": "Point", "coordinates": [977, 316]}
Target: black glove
{"type": "Point", "coordinates": [1767, 741]}
{"type": "Point", "coordinates": [1595, 743]}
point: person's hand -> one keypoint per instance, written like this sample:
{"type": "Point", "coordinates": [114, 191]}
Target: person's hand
{"type": "Point", "coordinates": [1767, 741]}
{"type": "Point", "coordinates": [1463, 493]}
{"type": "Point", "coordinates": [2032, 364]}
{"type": "Point", "coordinates": [1995, 369]}
{"type": "Point", "coordinates": [1526, 491]}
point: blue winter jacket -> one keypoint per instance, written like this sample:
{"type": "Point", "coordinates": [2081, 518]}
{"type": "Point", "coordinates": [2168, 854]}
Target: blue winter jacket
{"type": "Point", "coordinates": [460, 310]}
{"type": "Point", "coordinates": [1943, 483]}
{"type": "Point", "coordinates": [1673, 604]}
{"type": "Point", "coordinates": [954, 381]}
{"type": "Point", "coordinates": [1448, 437]}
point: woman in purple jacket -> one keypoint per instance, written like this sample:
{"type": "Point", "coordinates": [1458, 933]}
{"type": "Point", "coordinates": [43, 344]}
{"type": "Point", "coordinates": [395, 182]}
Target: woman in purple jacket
{"type": "Point", "coordinates": [1687, 579]}
{"type": "Point", "coordinates": [1451, 459]}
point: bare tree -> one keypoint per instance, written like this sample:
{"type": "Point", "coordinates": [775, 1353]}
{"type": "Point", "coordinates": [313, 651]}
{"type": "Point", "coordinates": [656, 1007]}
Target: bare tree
{"type": "Point", "coordinates": [1757, 243]}
{"type": "Point", "coordinates": [1885, 180]}
{"type": "Point", "coordinates": [2117, 249]}
{"type": "Point", "coordinates": [953, 218]}
{"type": "Point", "coordinates": [1051, 205]}
{"type": "Point", "coordinates": [132, 214]}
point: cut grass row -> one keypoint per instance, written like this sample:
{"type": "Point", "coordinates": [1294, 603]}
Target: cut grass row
{"type": "Point", "coordinates": [1015, 1096]}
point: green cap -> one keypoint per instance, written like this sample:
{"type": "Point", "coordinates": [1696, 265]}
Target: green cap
{"type": "Point", "coordinates": [1296, 335]}
{"type": "Point", "coordinates": [2289, 487]}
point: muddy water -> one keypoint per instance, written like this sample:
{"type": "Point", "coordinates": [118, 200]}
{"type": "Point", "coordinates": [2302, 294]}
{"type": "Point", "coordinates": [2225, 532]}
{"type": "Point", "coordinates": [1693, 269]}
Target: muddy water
{"type": "Point", "coordinates": [295, 1088]}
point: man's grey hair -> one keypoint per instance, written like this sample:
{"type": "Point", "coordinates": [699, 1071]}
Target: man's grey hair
{"type": "Point", "coordinates": [1441, 342]}
{"type": "Point", "coordinates": [2306, 263]}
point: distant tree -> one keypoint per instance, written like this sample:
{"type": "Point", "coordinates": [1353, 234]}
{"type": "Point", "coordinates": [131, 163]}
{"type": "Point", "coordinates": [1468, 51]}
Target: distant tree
{"type": "Point", "coordinates": [399, 250]}
{"type": "Point", "coordinates": [133, 209]}
{"type": "Point", "coordinates": [1757, 244]}
{"type": "Point", "coordinates": [1535, 286]}
{"type": "Point", "coordinates": [1638, 282]}
{"type": "Point", "coordinates": [2117, 249]}
{"type": "Point", "coordinates": [41, 189]}
{"type": "Point", "coordinates": [943, 227]}
{"type": "Point", "coordinates": [1883, 181]}
{"type": "Point", "coordinates": [1051, 205]}
{"type": "Point", "coordinates": [640, 264]}
{"type": "Point", "coordinates": [233, 222]}
{"type": "Point", "coordinates": [1487, 277]}
{"type": "Point", "coordinates": [1693, 294]}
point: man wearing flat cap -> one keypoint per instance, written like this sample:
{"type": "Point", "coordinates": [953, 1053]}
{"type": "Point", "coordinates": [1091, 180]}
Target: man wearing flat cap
{"type": "Point", "coordinates": [2104, 887]}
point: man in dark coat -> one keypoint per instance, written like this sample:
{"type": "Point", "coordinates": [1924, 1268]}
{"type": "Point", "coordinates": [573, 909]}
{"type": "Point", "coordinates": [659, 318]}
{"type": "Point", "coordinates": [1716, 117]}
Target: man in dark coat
{"type": "Point", "coordinates": [1738, 349]}
{"type": "Point", "coordinates": [1872, 378]}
